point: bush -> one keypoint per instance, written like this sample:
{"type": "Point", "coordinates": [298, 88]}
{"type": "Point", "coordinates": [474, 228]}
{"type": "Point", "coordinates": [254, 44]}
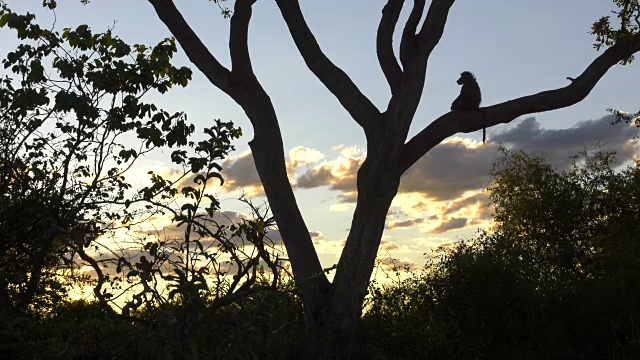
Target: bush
{"type": "Point", "coordinates": [558, 277]}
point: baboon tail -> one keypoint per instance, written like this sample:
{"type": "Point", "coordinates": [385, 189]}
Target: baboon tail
{"type": "Point", "coordinates": [484, 126]}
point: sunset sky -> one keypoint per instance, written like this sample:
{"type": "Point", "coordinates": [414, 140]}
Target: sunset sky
{"type": "Point", "coordinates": [515, 48]}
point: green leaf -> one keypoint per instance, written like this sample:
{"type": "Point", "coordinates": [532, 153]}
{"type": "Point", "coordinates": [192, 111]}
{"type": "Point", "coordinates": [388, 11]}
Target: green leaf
{"type": "Point", "coordinates": [4, 20]}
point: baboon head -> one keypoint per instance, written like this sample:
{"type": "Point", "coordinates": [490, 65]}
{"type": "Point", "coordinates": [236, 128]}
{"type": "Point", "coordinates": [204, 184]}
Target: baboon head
{"type": "Point", "coordinates": [466, 77]}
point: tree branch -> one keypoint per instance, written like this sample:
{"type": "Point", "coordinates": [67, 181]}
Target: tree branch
{"type": "Point", "coordinates": [408, 43]}
{"type": "Point", "coordinates": [192, 45]}
{"type": "Point", "coordinates": [97, 290]}
{"type": "Point", "coordinates": [454, 122]}
{"type": "Point", "coordinates": [337, 81]}
{"type": "Point", "coordinates": [384, 44]}
{"type": "Point", "coordinates": [433, 26]}
{"type": "Point", "coordinates": [238, 40]}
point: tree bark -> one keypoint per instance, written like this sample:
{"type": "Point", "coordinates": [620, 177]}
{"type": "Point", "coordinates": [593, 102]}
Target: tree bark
{"type": "Point", "coordinates": [377, 186]}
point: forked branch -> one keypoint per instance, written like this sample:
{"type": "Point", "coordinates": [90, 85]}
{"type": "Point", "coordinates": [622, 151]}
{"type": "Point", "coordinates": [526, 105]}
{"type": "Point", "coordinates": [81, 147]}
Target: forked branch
{"type": "Point", "coordinates": [433, 27]}
{"type": "Point", "coordinates": [408, 45]}
{"type": "Point", "coordinates": [384, 44]}
{"type": "Point", "coordinates": [452, 123]}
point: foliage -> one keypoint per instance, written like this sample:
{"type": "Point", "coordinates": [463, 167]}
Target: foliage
{"type": "Point", "coordinates": [73, 127]}
{"type": "Point", "coordinates": [626, 118]}
{"type": "Point", "coordinates": [213, 265]}
{"type": "Point", "coordinates": [628, 18]}
{"type": "Point", "coordinates": [74, 98]}
{"type": "Point", "coordinates": [557, 278]}
{"type": "Point", "coordinates": [607, 35]}
{"type": "Point", "coordinates": [266, 324]}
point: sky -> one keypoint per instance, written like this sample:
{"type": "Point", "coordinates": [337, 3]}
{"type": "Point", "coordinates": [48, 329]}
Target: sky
{"type": "Point", "coordinates": [515, 48]}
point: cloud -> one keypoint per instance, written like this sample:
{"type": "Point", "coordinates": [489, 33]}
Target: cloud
{"type": "Point", "coordinates": [448, 225]}
{"type": "Point", "coordinates": [348, 197]}
{"type": "Point", "coordinates": [386, 245]}
{"type": "Point", "coordinates": [479, 202]}
{"type": "Point", "coordinates": [330, 248]}
{"type": "Point", "coordinates": [430, 242]}
{"type": "Point", "coordinates": [301, 156]}
{"type": "Point", "coordinates": [459, 165]}
{"type": "Point", "coordinates": [451, 168]}
{"type": "Point", "coordinates": [429, 216]}
{"type": "Point", "coordinates": [338, 174]}
{"type": "Point", "coordinates": [166, 229]}
{"type": "Point", "coordinates": [396, 224]}
{"type": "Point", "coordinates": [557, 145]}
{"type": "Point", "coordinates": [341, 207]}
{"type": "Point", "coordinates": [240, 174]}
{"type": "Point", "coordinates": [448, 181]}
{"type": "Point", "coordinates": [319, 176]}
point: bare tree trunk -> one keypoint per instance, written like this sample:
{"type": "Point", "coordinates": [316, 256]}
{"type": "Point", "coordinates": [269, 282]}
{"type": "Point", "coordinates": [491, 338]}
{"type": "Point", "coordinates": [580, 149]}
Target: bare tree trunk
{"type": "Point", "coordinates": [339, 335]}
{"type": "Point", "coordinates": [345, 308]}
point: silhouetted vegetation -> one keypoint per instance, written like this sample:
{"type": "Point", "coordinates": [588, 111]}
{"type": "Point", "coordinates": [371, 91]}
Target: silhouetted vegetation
{"type": "Point", "coordinates": [558, 277]}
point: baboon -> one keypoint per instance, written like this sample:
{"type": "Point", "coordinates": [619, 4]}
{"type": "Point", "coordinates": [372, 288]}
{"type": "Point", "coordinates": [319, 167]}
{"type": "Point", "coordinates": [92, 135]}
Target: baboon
{"type": "Point", "coordinates": [470, 98]}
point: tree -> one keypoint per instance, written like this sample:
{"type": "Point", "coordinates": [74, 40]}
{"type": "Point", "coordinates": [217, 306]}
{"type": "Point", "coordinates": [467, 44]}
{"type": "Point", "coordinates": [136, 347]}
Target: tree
{"type": "Point", "coordinates": [332, 310]}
